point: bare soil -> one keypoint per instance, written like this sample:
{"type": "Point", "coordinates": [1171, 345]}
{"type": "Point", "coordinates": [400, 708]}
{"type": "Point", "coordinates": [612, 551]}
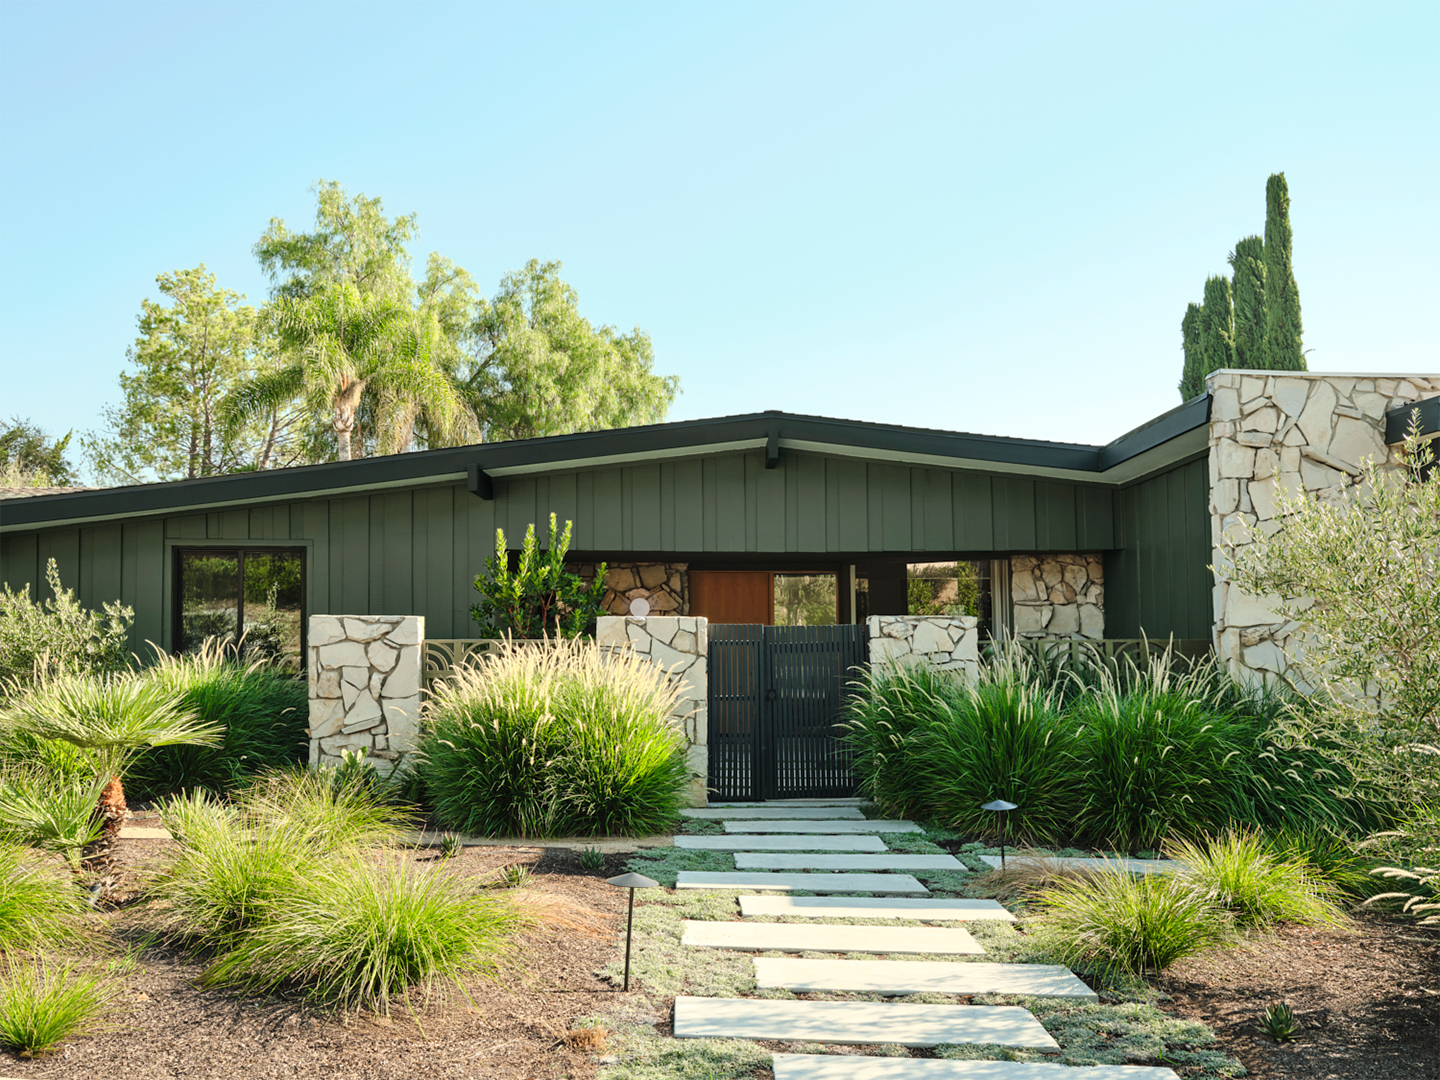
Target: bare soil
{"type": "Point", "coordinates": [1368, 1001]}
{"type": "Point", "coordinates": [514, 1027]}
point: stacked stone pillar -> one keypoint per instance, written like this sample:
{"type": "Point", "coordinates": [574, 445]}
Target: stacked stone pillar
{"type": "Point", "coordinates": [364, 686]}
{"type": "Point", "coordinates": [948, 642]}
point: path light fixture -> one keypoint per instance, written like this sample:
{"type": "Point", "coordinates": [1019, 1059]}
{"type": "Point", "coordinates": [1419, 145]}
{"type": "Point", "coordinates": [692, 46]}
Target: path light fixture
{"type": "Point", "coordinates": [1000, 806]}
{"type": "Point", "coordinates": [631, 882]}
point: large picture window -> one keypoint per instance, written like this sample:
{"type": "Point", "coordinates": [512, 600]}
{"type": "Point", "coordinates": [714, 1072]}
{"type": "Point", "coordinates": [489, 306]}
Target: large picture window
{"type": "Point", "coordinates": [253, 598]}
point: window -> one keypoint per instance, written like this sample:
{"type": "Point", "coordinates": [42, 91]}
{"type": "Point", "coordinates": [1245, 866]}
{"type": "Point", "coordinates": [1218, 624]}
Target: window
{"type": "Point", "coordinates": [251, 597]}
{"type": "Point", "coordinates": [806, 599]}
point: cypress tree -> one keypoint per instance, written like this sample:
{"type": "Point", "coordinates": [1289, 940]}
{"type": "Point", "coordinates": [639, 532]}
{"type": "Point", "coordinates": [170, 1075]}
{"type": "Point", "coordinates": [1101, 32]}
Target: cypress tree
{"type": "Point", "coordinates": [1217, 327]}
{"type": "Point", "coordinates": [1192, 377]}
{"type": "Point", "coordinates": [1282, 343]}
{"type": "Point", "coordinates": [1247, 262]}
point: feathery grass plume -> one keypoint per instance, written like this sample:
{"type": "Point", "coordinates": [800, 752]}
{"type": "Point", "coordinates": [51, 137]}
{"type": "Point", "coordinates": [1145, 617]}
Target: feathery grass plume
{"type": "Point", "coordinates": [40, 1006]}
{"type": "Point", "coordinates": [1242, 873]}
{"type": "Point", "coordinates": [1117, 922]}
{"type": "Point", "coordinates": [358, 934]}
{"type": "Point", "coordinates": [324, 811]}
{"type": "Point", "coordinates": [263, 712]}
{"type": "Point", "coordinates": [39, 903]}
{"type": "Point", "coordinates": [555, 737]}
{"type": "Point", "coordinates": [883, 718]}
{"type": "Point", "coordinates": [1001, 738]}
{"type": "Point", "coordinates": [49, 811]}
{"type": "Point", "coordinates": [1159, 756]}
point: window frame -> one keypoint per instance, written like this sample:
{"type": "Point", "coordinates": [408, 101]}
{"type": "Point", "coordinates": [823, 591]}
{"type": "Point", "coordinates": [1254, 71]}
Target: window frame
{"type": "Point", "coordinates": [239, 550]}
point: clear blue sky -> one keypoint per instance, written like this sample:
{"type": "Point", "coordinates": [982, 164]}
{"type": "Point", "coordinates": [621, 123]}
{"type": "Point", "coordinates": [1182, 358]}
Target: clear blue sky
{"type": "Point", "coordinates": [983, 217]}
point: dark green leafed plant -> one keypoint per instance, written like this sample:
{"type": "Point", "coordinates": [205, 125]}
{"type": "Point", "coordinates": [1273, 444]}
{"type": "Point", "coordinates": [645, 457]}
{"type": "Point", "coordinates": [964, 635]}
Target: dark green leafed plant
{"type": "Point", "coordinates": [540, 598]}
{"type": "Point", "coordinates": [554, 739]}
{"type": "Point", "coordinates": [1279, 1023]}
{"type": "Point", "coordinates": [262, 709]}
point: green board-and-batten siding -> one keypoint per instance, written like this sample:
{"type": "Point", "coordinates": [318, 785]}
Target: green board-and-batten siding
{"type": "Point", "coordinates": [417, 550]}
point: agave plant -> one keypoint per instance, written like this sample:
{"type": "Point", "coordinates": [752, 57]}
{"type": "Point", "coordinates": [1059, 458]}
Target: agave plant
{"type": "Point", "coordinates": [114, 716]}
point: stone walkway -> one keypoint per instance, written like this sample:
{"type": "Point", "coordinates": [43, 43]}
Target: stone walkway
{"type": "Point", "coordinates": [1099, 866]}
{"type": "Point", "coordinates": [763, 837]}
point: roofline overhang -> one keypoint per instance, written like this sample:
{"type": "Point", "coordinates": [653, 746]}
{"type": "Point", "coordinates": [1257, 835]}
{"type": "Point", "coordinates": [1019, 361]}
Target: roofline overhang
{"type": "Point", "coordinates": [1174, 436]}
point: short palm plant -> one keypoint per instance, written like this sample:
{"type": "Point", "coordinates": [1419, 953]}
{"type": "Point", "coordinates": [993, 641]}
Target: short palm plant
{"type": "Point", "coordinates": [114, 716]}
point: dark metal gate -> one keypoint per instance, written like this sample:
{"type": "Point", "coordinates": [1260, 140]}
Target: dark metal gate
{"type": "Point", "coordinates": [774, 704]}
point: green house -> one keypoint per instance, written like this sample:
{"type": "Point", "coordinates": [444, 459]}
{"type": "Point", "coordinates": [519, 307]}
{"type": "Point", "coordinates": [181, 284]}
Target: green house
{"type": "Point", "coordinates": [765, 518]}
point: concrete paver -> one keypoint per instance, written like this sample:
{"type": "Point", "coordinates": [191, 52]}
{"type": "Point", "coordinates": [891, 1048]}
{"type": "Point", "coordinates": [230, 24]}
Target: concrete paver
{"type": "Point", "coordinates": [859, 1022]}
{"type": "Point", "coordinates": [850, 1067]}
{"type": "Point", "coordinates": [919, 976]}
{"type": "Point", "coordinates": [773, 813]}
{"type": "Point", "coordinates": [760, 860]}
{"type": "Point", "coordinates": [884, 884]}
{"type": "Point", "coordinates": [879, 907]}
{"type": "Point", "coordinates": [801, 842]}
{"type": "Point", "coordinates": [827, 937]}
{"type": "Point", "coordinates": [1134, 866]}
{"type": "Point", "coordinates": [830, 826]}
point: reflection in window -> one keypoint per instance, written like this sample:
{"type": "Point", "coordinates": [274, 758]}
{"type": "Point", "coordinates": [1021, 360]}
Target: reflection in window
{"type": "Point", "coordinates": [949, 588]}
{"type": "Point", "coordinates": [806, 599]}
{"type": "Point", "coordinates": [255, 598]}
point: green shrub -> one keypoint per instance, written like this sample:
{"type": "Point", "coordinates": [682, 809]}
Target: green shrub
{"type": "Point", "coordinates": [263, 710]}
{"type": "Point", "coordinates": [1158, 759]}
{"type": "Point", "coordinates": [1001, 739]}
{"type": "Point", "coordinates": [1241, 872]}
{"type": "Point", "coordinates": [58, 636]}
{"type": "Point", "coordinates": [49, 811]}
{"type": "Point", "coordinates": [555, 738]}
{"type": "Point", "coordinates": [357, 934]}
{"type": "Point", "coordinates": [40, 1006]}
{"type": "Point", "coordinates": [39, 904]}
{"type": "Point", "coordinates": [1331, 858]}
{"type": "Point", "coordinates": [1117, 922]}
{"type": "Point", "coordinates": [891, 705]}
{"type": "Point", "coordinates": [322, 808]}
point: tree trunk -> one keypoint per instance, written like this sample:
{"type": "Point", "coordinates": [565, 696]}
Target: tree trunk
{"type": "Point", "coordinates": [347, 402]}
{"type": "Point", "coordinates": [99, 857]}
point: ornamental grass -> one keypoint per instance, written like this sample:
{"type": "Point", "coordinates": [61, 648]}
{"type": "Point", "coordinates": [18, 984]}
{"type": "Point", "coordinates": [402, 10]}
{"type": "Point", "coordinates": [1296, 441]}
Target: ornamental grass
{"type": "Point", "coordinates": [555, 738]}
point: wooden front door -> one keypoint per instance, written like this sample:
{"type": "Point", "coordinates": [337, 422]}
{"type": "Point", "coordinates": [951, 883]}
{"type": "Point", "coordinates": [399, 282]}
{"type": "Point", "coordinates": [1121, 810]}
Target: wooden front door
{"type": "Point", "coordinates": [733, 596]}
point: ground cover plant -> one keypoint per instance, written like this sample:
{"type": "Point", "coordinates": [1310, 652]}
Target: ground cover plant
{"type": "Point", "coordinates": [555, 739]}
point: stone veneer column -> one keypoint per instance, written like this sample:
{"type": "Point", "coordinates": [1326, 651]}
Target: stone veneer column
{"type": "Point", "coordinates": [951, 643]}
{"type": "Point", "coordinates": [1301, 431]}
{"type": "Point", "coordinates": [1058, 596]}
{"type": "Point", "coordinates": [680, 645]}
{"type": "Point", "coordinates": [364, 686]}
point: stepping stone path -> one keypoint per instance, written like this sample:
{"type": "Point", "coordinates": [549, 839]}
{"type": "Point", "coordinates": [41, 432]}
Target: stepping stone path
{"type": "Point", "coordinates": [836, 1067]}
{"type": "Point", "coordinates": [829, 825]}
{"type": "Point", "coordinates": [882, 884]}
{"type": "Point", "coordinates": [1134, 866]}
{"type": "Point", "coordinates": [781, 843]}
{"type": "Point", "coordinates": [760, 860]}
{"type": "Point", "coordinates": [771, 837]}
{"type": "Point", "coordinates": [828, 937]}
{"type": "Point", "coordinates": [789, 813]}
{"type": "Point", "coordinates": [862, 1023]}
{"type": "Point", "coordinates": [861, 907]}
{"type": "Point", "coordinates": [918, 976]}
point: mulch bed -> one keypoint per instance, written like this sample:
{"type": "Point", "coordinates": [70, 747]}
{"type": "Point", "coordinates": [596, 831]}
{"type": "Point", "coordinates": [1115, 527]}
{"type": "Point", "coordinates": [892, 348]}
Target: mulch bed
{"type": "Point", "coordinates": [1368, 1002]}
{"type": "Point", "coordinates": [513, 1028]}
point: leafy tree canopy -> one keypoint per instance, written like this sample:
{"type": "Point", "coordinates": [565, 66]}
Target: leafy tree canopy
{"type": "Point", "coordinates": [30, 458]}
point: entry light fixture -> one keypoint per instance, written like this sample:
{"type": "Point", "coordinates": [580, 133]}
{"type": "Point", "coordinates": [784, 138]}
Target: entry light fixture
{"type": "Point", "coordinates": [1000, 806]}
{"type": "Point", "coordinates": [631, 882]}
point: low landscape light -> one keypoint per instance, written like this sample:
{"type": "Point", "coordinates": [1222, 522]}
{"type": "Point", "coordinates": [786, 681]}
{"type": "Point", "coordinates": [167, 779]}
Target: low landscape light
{"type": "Point", "coordinates": [631, 882]}
{"type": "Point", "coordinates": [1000, 806]}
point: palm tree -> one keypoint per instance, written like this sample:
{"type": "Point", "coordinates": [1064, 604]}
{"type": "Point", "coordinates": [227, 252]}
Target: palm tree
{"type": "Point", "coordinates": [114, 716]}
{"type": "Point", "coordinates": [342, 343]}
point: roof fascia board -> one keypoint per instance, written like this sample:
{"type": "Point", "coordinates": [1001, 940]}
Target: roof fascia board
{"type": "Point", "coordinates": [600, 461]}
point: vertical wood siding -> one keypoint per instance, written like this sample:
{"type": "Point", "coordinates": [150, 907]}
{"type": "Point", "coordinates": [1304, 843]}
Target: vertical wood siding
{"type": "Point", "coordinates": [418, 550]}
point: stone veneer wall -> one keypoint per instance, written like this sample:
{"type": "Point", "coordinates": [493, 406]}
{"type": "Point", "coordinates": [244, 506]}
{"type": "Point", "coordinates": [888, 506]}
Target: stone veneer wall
{"type": "Point", "coordinates": [364, 686]}
{"type": "Point", "coordinates": [1300, 431]}
{"type": "Point", "coordinates": [681, 645]}
{"type": "Point", "coordinates": [1058, 596]}
{"type": "Point", "coordinates": [665, 585]}
{"type": "Point", "coordinates": [951, 643]}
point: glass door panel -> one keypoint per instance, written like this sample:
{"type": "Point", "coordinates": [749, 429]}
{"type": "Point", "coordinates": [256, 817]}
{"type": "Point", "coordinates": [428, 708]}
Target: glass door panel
{"type": "Point", "coordinates": [209, 597]}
